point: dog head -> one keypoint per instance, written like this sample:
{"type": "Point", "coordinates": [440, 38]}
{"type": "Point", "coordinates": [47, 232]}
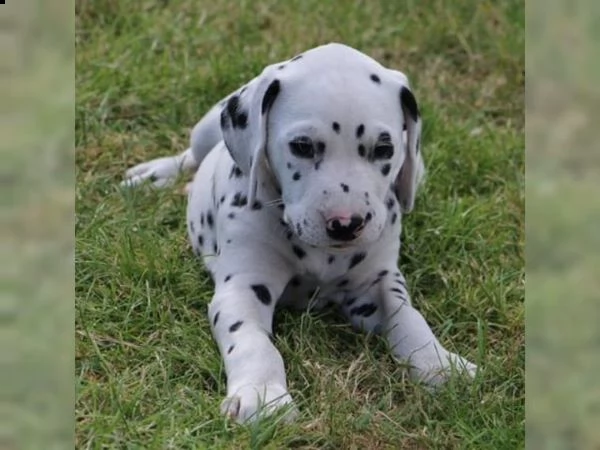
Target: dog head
{"type": "Point", "coordinates": [338, 131]}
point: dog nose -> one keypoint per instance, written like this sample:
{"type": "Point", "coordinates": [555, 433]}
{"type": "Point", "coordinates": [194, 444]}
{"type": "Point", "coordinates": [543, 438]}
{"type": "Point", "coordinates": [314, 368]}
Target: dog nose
{"type": "Point", "coordinates": [345, 228]}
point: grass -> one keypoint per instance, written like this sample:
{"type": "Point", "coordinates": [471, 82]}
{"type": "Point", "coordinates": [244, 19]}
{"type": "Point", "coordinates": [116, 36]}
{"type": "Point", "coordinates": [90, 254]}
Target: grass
{"type": "Point", "coordinates": [148, 371]}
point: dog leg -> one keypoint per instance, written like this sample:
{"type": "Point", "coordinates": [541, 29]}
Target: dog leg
{"type": "Point", "coordinates": [412, 340]}
{"type": "Point", "coordinates": [162, 172]}
{"type": "Point", "coordinates": [241, 316]}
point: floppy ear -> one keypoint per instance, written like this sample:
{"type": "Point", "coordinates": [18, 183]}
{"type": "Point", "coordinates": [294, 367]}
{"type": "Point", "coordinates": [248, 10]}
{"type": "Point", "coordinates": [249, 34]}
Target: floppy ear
{"type": "Point", "coordinates": [244, 120]}
{"type": "Point", "coordinates": [413, 168]}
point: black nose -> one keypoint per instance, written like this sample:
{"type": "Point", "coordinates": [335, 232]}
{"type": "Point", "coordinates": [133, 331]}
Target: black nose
{"type": "Point", "coordinates": [343, 229]}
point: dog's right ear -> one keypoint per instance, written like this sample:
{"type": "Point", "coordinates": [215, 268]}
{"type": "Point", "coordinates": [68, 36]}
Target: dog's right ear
{"type": "Point", "coordinates": [244, 120]}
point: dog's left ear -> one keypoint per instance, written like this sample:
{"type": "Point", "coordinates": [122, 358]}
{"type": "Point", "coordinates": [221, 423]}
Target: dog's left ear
{"type": "Point", "coordinates": [413, 169]}
{"type": "Point", "coordinates": [244, 120]}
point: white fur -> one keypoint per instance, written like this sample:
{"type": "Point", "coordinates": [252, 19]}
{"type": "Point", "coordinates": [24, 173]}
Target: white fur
{"type": "Point", "coordinates": [281, 252]}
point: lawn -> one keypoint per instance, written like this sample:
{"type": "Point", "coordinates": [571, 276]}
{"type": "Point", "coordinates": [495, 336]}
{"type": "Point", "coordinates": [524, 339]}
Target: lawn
{"type": "Point", "coordinates": [148, 371]}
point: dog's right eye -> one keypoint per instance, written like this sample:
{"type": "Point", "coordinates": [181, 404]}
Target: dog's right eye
{"type": "Point", "coordinates": [302, 147]}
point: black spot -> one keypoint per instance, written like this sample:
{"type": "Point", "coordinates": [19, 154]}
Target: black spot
{"type": "Point", "coordinates": [235, 172]}
{"type": "Point", "coordinates": [228, 241]}
{"type": "Point", "coordinates": [230, 349]}
{"type": "Point", "coordinates": [270, 96]}
{"type": "Point", "coordinates": [331, 259]}
{"type": "Point", "coordinates": [350, 301]}
{"type": "Point", "coordinates": [231, 215]}
{"type": "Point", "coordinates": [289, 235]}
{"type": "Point", "coordinates": [385, 170]}
{"type": "Point", "coordinates": [336, 127]}
{"type": "Point", "coordinates": [376, 281]}
{"type": "Point", "coordinates": [224, 122]}
{"type": "Point", "coordinates": [262, 293]}
{"type": "Point", "coordinates": [362, 151]}
{"type": "Point", "coordinates": [409, 103]}
{"type": "Point", "coordinates": [296, 58]}
{"type": "Point", "coordinates": [202, 219]}
{"type": "Point", "coordinates": [222, 199]}
{"type": "Point", "coordinates": [385, 137]}
{"type": "Point", "coordinates": [318, 164]}
{"type": "Point", "coordinates": [418, 145]}
{"type": "Point", "coordinates": [368, 217]}
{"type": "Point", "coordinates": [239, 200]}
{"type": "Point", "coordinates": [200, 240]}
{"type": "Point", "coordinates": [360, 130]}
{"type": "Point", "coordinates": [375, 78]}
{"type": "Point", "coordinates": [295, 281]}
{"type": "Point", "coordinates": [215, 248]}
{"type": "Point", "coordinates": [398, 291]}
{"type": "Point", "coordinates": [298, 229]}
{"type": "Point", "coordinates": [296, 176]}
{"type": "Point", "coordinates": [356, 259]}
{"type": "Point", "coordinates": [299, 252]}
{"type": "Point", "coordinates": [256, 205]}
{"type": "Point", "coordinates": [192, 228]}
{"type": "Point", "coordinates": [236, 326]}
{"type": "Point", "coordinates": [209, 219]}
{"type": "Point", "coordinates": [343, 283]}
{"type": "Point", "coordinates": [366, 194]}
{"type": "Point", "coordinates": [281, 207]}
{"type": "Point", "coordinates": [383, 273]}
{"type": "Point", "coordinates": [345, 187]}
{"type": "Point", "coordinates": [216, 318]}
{"type": "Point", "coordinates": [227, 278]}
{"type": "Point", "coordinates": [401, 282]}
{"type": "Point", "coordinates": [289, 165]}
{"type": "Point", "coordinates": [365, 310]}
{"type": "Point", "coordinates": [390, 203]}
{"type": "Point", "coordinates": [281, 66]}
{"type": "Point", "coordinates": [394, 218]}
{"type": "Point", "coordinates": [239, 119]}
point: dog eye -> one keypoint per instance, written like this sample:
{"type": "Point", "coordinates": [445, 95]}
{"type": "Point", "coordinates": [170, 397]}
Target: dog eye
{"type": "Point", "coordinates": [302, 147]}
{"type": "Point", "coordinates": [383, 150]}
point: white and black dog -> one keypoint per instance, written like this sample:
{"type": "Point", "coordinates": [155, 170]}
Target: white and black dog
{"type": "Point", "coordinates": [304, 174]}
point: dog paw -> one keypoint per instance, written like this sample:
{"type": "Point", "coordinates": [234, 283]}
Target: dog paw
{"type": "Point", "coordinates": [252, 402]}
{"type": "Point", "coordinates": [160, 172]}
{"type": "Point", "coordinates": [435, 370]}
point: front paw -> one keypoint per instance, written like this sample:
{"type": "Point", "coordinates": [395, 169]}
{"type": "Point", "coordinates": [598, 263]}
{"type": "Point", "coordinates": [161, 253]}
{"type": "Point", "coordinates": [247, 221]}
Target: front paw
{"type": "Point", "coordinates": [435, 369]}
{"type": "Point", "coordinates": [252, 402]}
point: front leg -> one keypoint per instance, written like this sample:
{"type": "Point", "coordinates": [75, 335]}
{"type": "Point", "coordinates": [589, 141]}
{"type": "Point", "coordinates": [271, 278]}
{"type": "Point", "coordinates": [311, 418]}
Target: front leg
{"type": "Point", "coordinates": [241, 314]}
{"type": "Point", "coordinates": [411, 338]}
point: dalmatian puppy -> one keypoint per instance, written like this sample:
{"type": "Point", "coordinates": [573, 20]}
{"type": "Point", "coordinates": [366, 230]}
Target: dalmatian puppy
{"type": "Point", "coordinates": [304, 175]}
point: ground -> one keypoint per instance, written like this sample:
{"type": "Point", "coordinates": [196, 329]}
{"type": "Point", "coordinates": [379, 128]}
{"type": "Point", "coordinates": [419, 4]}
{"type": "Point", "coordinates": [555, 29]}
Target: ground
{"type": "Point", "coordinates": [148, 371]}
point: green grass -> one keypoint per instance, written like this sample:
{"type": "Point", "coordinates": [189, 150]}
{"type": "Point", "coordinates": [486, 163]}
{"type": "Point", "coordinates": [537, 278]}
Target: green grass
{"type": "Point", "coordinates": [148, 371]}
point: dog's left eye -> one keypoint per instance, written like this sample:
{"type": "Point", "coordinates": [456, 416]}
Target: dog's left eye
{"type": "Point", "coordinates": [302, 147]}
{"type": "Point", "coordinates": [384, 150]}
